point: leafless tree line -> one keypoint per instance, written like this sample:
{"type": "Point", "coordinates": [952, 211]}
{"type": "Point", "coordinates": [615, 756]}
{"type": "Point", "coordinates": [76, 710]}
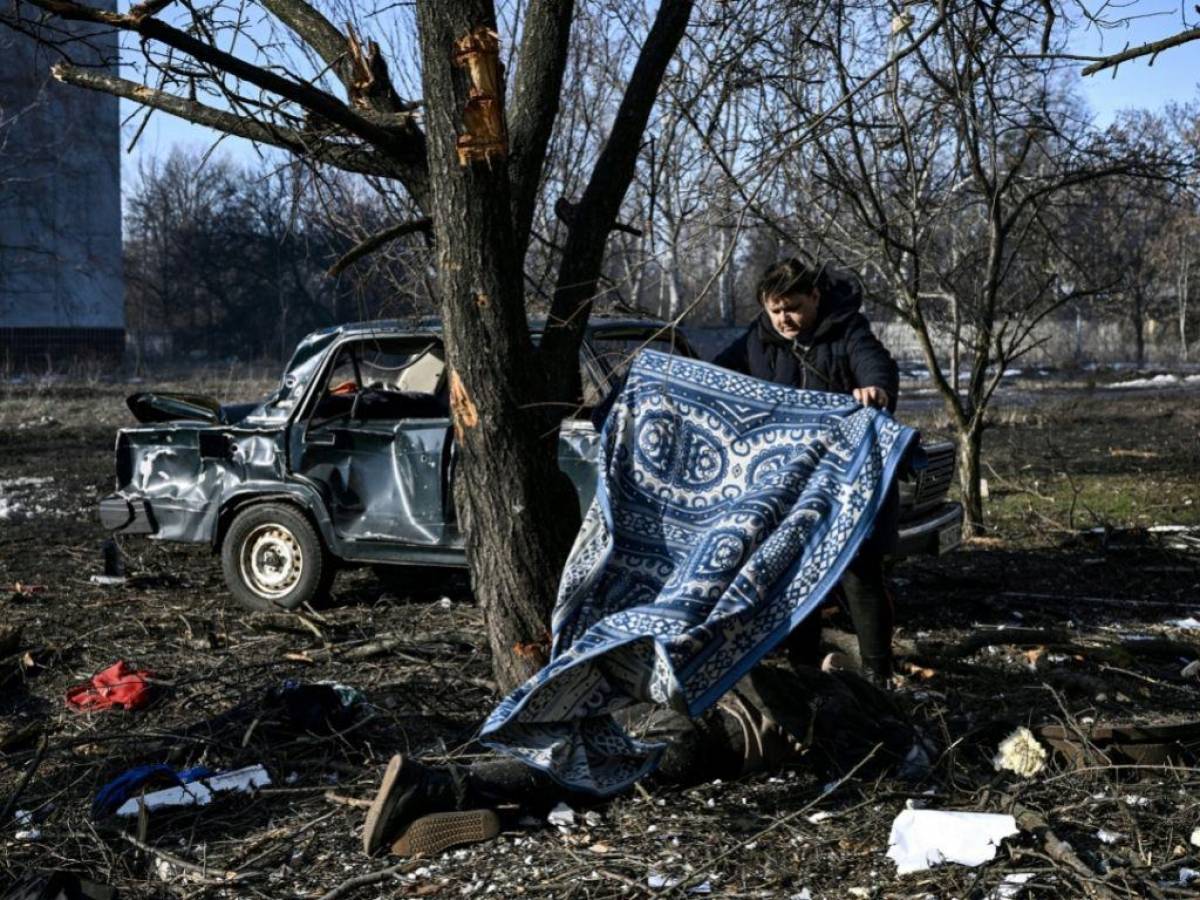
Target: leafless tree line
{"type": "Point", "coordinates": [232, 261]}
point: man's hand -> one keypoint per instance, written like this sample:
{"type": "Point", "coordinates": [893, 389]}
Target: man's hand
{"type": "Point", "coordinates": [872, 396]}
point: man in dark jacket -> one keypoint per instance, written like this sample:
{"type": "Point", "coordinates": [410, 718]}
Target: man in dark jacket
{"type": "Point", "coordinates": [811, 335]}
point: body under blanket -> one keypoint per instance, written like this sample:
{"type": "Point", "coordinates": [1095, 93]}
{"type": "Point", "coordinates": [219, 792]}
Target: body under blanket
{"type": "Point", "coordinates": [726, 509]}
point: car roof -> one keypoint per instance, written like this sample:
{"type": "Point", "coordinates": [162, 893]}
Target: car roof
{"type": "Point", "coordinates": [433, 325]}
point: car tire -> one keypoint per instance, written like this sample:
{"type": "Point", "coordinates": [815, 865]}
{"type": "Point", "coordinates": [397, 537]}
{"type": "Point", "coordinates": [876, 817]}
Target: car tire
{"type": "Point", "coordinates": [273, 558]}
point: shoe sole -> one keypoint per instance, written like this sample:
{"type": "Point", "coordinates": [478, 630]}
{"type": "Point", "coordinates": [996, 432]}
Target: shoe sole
{"type": "Point", "coordinates": [431, 834]}
{"type": "Point", "coordinates": [373, 837]}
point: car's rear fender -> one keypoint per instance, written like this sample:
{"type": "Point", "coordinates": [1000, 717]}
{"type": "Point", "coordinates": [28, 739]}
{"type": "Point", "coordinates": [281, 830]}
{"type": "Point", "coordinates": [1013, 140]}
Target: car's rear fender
{"type": "Point", "coordinates": [304, 498]}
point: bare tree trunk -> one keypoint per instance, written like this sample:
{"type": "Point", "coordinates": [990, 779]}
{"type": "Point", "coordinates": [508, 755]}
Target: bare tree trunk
{"type": "Point", "coordinates": [1078, 334]}
{"type": "Point", "coordinates": [726, 283]}
{"type": "Point", "coordinates": [674, 295]}
{"type": "Point", "coordinates": [1137, 316]}
{"type": "Point", "coordinates": [520, 513]}
{"type": "Point", "coordinates": [970, 447]}
{"type": "Point", "coordinates": [1181, 291]}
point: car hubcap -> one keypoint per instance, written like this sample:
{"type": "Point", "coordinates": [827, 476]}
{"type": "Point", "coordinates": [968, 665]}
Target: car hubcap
{"type": "Point", "coordinates": [272, 561]}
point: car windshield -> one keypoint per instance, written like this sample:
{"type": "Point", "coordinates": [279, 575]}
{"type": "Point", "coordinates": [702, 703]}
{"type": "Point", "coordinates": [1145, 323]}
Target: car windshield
{"type": "Point", "coordinates": [616, 347]}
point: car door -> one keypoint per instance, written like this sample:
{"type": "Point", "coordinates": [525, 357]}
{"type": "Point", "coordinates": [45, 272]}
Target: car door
{"type": "Point", "coordinates": [375, 442]}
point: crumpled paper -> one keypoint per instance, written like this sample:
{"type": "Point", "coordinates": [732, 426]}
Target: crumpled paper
{"type": "Point", "coordinates": [1021, 753]}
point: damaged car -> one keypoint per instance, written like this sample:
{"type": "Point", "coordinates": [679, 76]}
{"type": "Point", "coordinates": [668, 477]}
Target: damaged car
{"type": "Point", "coordinates": [351, 461]}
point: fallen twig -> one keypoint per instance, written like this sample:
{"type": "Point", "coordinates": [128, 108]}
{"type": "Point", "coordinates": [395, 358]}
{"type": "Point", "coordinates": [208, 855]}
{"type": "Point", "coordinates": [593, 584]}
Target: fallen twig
{"type": "Point", "coordinates": [358, 881]}
{"type": "Point", "coordinates": [221, 877]}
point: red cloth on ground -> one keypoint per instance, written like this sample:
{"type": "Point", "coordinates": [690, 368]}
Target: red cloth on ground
{"type": "Point", "coordinates": [117, 686]}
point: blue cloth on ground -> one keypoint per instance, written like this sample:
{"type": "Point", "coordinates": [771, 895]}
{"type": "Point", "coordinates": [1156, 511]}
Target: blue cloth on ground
{"type": "Point", "coordinates": [110, 797]}
{"type": "Point", "coordinates": [726, 508]}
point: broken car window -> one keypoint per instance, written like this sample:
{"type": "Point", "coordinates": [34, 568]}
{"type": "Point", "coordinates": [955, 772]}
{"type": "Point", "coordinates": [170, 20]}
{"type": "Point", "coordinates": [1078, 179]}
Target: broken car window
{"type": "Point", "coordinates": [616, 348]}
{"type": "Point", "coordinates": [374, 381]}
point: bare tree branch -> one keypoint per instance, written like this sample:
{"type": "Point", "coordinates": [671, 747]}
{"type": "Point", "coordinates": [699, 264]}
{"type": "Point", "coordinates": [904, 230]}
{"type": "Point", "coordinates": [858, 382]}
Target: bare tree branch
{"type": "Point", "coordinates": [401, 144]}
{"type": "Point", "coordinates": [1151, 49]}
{"type": "Point", "coordinates": [314, 29]}
{"type": "Point", "coordinates": [604, 194]}
{"type": "Point", "coordinates": [341, 156]}
{"type": "Point", "coordinates": [375, 241]}
{"type": "Point", "coordinates": [535, 103]}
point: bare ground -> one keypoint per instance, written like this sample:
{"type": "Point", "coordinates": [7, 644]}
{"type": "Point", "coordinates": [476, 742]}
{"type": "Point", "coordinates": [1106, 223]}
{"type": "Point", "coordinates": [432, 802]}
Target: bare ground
{"type": "Point", "coordinates": [1059, 616]}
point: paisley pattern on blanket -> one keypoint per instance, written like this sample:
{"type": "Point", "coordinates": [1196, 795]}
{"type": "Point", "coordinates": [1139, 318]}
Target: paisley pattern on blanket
{"type": "Point", "coordinates": [726, 509]}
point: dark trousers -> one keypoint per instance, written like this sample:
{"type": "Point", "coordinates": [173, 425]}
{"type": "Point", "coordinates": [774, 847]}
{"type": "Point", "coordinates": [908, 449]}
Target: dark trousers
{"type": "Point", "coordinates": [867, 601]}
{"type": "Point", "coordinates": [870, 608]}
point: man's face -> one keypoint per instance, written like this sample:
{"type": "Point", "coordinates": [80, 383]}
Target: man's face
{"type": "Point", "coordinates": [793, 314]}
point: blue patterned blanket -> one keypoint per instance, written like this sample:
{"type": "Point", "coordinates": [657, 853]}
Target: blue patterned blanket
{"type": "Point", "coordinates": [726, 509]}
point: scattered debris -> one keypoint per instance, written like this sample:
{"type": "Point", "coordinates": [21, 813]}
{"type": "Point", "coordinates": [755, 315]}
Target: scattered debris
{"type": "Point", "coordinates": [114, 794]}
{"type": "Point", "coordinates": [1021, 754]}
{"type": "Point", "coordinates": [923, 838]}
{"type": "Point", "coordinates": [322, 708]}
{"type": "Point", "coordinates": [1109, 837]}
{"type": "Point", "coordinates": [1010, 886]}
{"type": "Point", "coordinates": [1191, 623]}
{"type": "Point", "coordinates": [25, 827]}
{"type": "Point", "coordinates": [59, 885]}
{"type": "Point", "coordinates": [108, 580]}
{"type": "Point", "coordinates": [562, 816]}
{"type": "Point", "coordinates": [117, 687]}
{"type": "Point", "coordinates": [199, 793]}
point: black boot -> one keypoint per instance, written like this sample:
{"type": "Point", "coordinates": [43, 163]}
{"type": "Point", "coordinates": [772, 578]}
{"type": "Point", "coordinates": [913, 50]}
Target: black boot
{"type": "Point", "coordinates": [878, 671]}
{"type": "Point", "coordinates": [423, 810]}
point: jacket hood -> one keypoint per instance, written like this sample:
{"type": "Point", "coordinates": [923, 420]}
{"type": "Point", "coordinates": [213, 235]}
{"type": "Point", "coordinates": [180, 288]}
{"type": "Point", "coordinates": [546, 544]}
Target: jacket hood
{"type": "Point", "coordinates": [841, 298]}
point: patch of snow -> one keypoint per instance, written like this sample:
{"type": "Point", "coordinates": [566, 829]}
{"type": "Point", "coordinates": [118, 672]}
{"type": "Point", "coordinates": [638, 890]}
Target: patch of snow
{"type": "Point", "coordinates": [1163, 380]}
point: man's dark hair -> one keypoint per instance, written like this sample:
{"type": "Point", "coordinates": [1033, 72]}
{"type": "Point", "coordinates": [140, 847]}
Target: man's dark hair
{"type": "Point", "coordinates": [786, 277]}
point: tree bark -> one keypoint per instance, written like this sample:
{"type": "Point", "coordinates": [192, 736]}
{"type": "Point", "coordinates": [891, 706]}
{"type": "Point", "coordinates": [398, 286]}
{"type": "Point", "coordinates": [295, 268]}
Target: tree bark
{"type": "Point", "coordinates": [1137, 318]}
{"type": "Point", "coordinates": [970, 446]}
{"type": "Point", "coordinates": [519, 520]}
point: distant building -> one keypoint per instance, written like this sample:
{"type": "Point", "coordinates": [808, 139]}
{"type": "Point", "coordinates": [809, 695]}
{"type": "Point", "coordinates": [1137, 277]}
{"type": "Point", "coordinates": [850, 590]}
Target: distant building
{"type": "Point", "coordinates": [61, 289]}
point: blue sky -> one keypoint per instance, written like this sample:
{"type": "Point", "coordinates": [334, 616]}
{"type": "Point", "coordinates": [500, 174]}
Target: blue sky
{"type": "Point", "coordinates": [1175, 76]}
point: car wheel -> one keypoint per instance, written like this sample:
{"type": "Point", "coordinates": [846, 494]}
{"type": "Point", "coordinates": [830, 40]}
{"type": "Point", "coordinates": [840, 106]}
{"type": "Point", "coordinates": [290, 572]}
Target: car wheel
{"type": "Point", "coordinates": [273, 558]}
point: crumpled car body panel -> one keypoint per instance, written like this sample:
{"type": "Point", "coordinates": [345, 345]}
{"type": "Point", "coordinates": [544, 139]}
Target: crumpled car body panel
{"type": "Point", "coordinates": [378, 491]}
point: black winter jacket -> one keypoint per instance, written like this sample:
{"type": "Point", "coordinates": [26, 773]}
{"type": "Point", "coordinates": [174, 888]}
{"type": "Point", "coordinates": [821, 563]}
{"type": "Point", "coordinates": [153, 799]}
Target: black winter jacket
{"type": "Point", "coordinates": [841, 355]}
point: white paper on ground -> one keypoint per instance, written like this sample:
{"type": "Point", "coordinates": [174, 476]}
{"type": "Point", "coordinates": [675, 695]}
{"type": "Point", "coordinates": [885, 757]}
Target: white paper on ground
{"type": "Point", "coordinates": [199, 793]}
{"type": "Point", "coordinates": [1010, 887]}
{"type": "Point", "coordinates": [922, 838]}
{"type": "Point", "coordinates": [562, 815]}
{"type": "Point", "coordinates": [107, 580]}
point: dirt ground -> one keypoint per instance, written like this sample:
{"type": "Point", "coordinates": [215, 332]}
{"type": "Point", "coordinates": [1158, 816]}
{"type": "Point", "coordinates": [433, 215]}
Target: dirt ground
{"type": "Point", "coordinates": [1061, 615]}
